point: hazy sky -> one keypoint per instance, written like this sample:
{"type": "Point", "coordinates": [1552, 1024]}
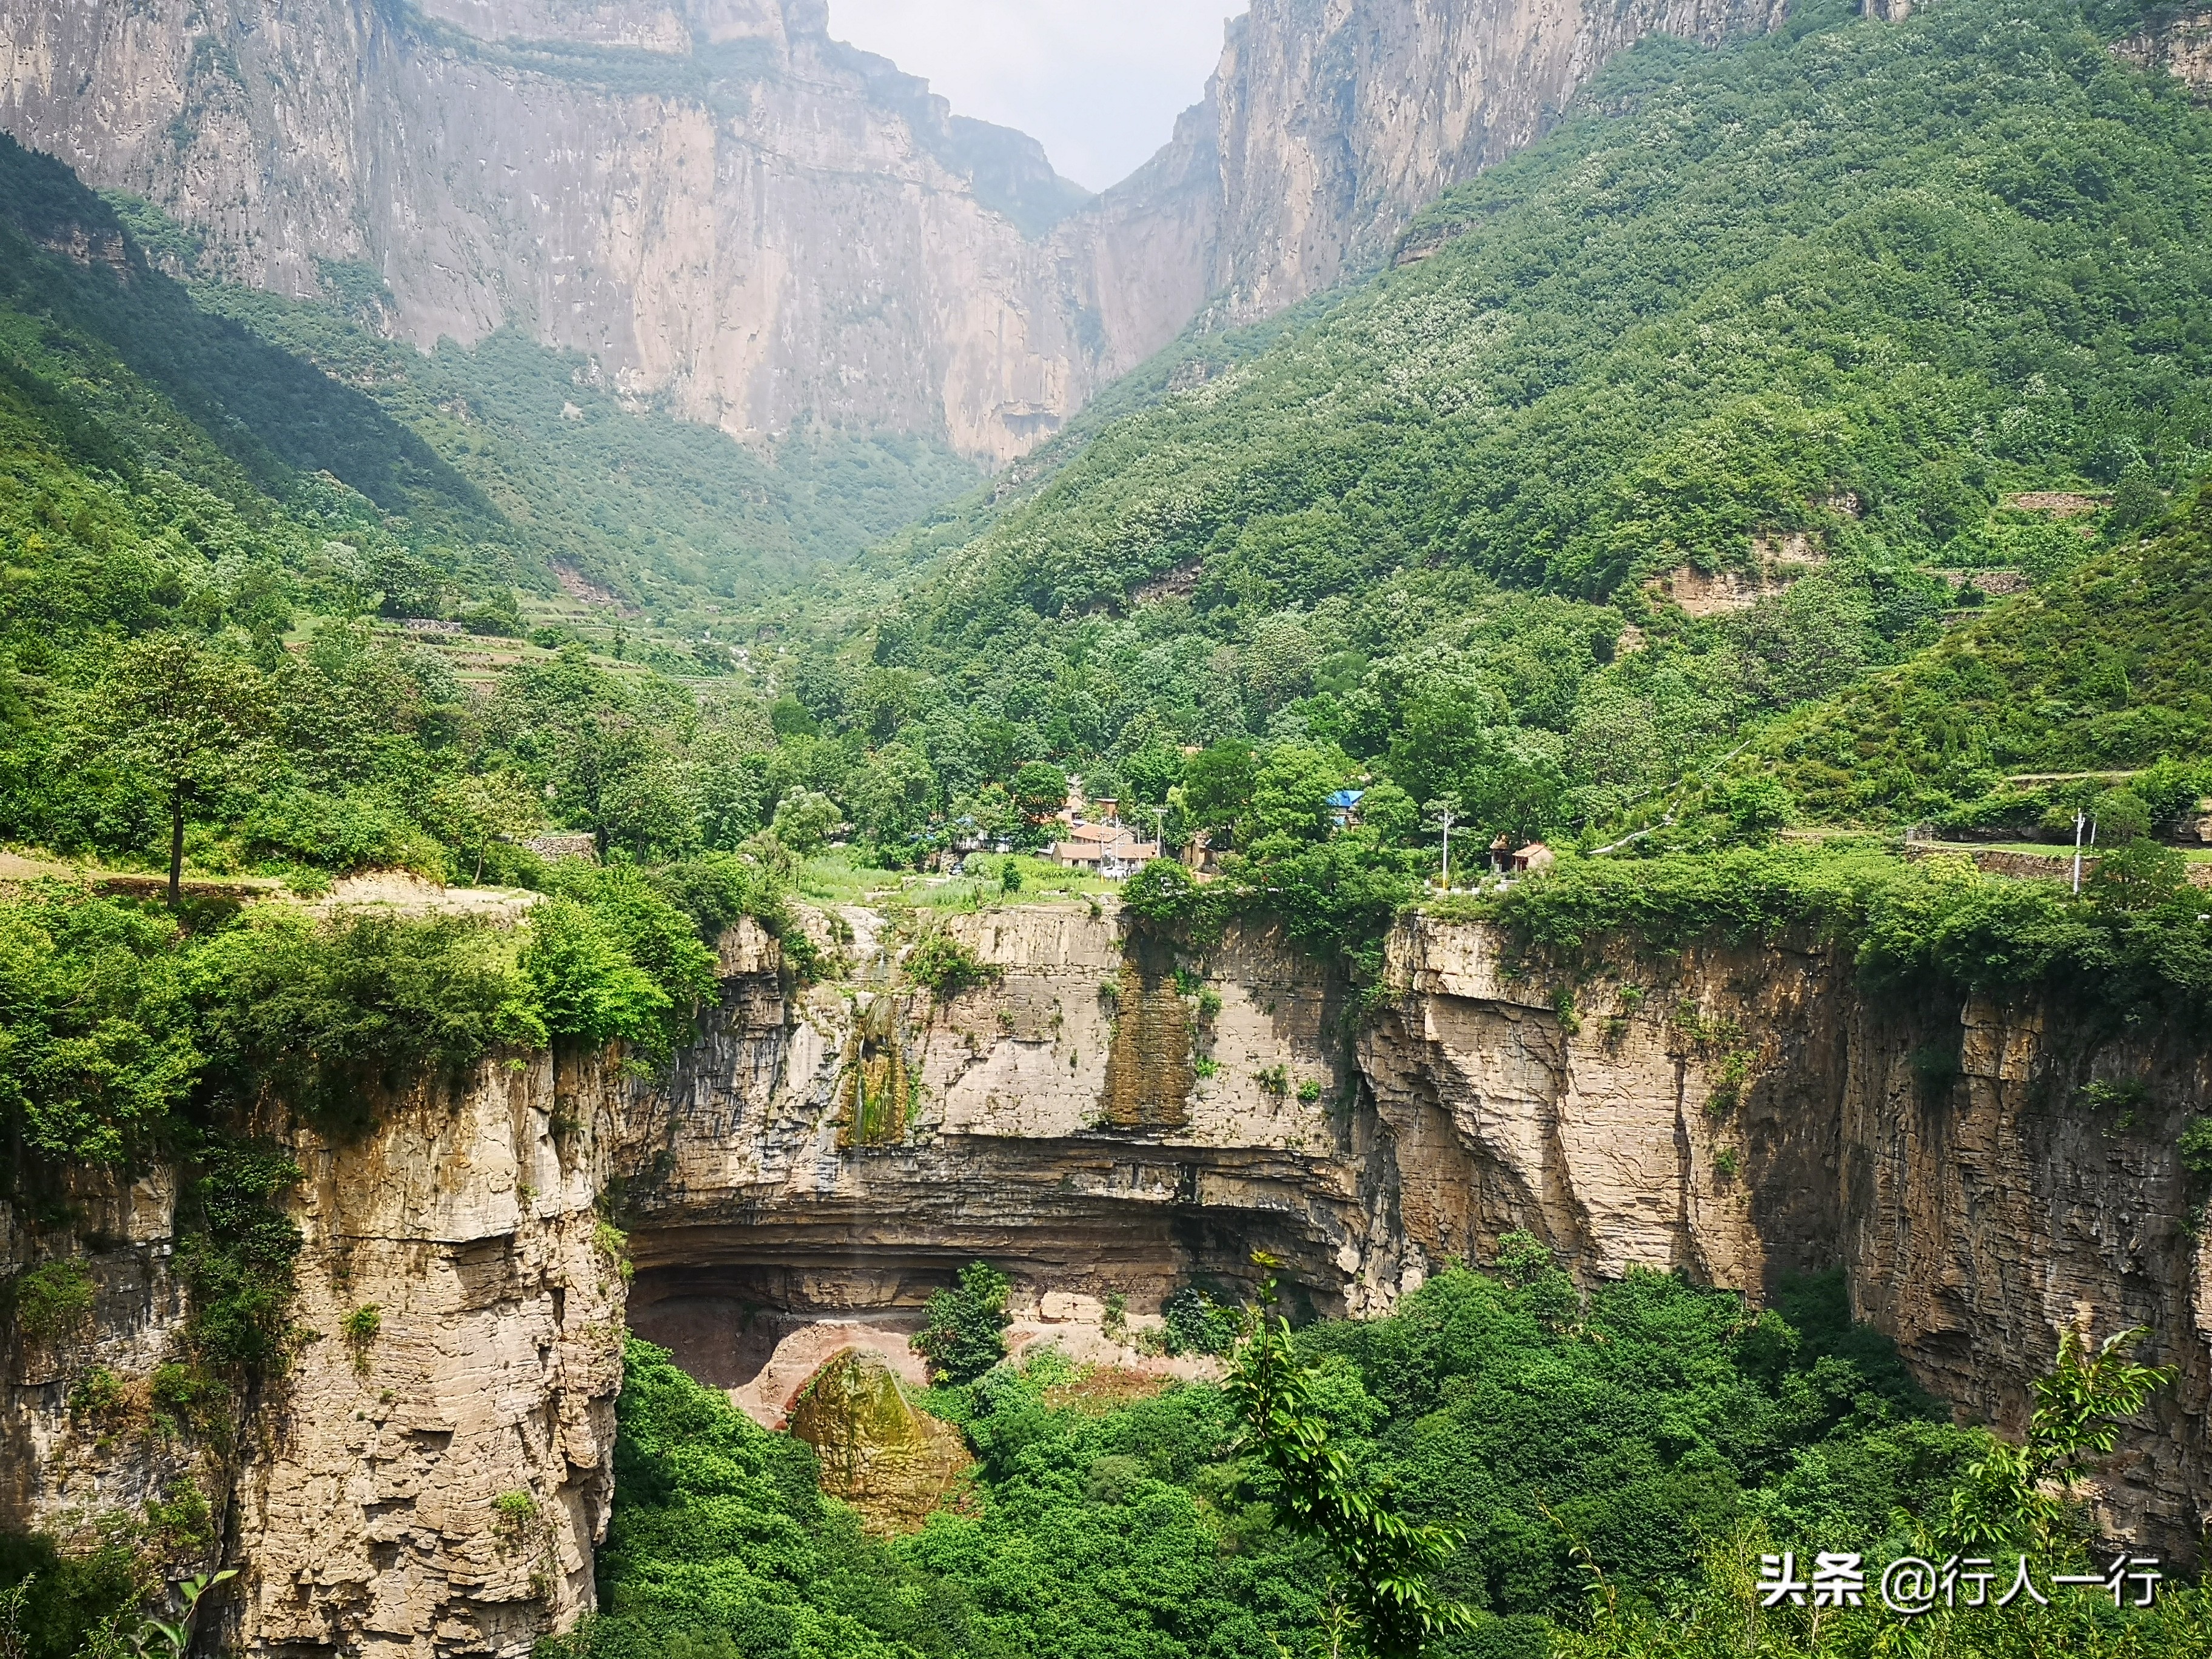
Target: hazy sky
{"type": "Point", "coordinates": [1099, 82]}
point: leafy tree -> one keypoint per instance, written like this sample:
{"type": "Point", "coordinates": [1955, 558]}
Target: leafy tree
{"type": "Point", "coordinates": [804, 821]}
{"type": "Point", "coordinates": [663, 940]}
{"type": "Point", "coordinates": [891, 796]}
{"type": "Point", "coordinates": [2121, 816]}
{"type": "Point", "coordinates": [733, 792]}
{"type": "Point", "coordinates": [1755, 807]}
{"type": "Point", "coordinates": [2021, 1495]}
{"type": "Point", "coordinates": [584, 987]}
{"type": "Point", "coordinates": [1165, 896]}
{"type": "Point", "coordinates": [475, 811]}
{"type": "Point", "coordinates": [101, 1049]}
{"type": "Point", "coordinates": [614, 775]}
{"type": "Point", "coordinates": [1382, 1599]}
{"type": "Point", "coordinates": [2137, 501]}
{"type": "Point", "coordinates": [51, 1299]}
{"type": "Point", "coordinates": [1289, 799]}
{"type": "Point", "coordinates": [1040, 790]}
{"type": "Point", "coordinates": [1217, 786]}
{"type": "Point", "coordinates": [53, 1602]}
{"type": "Point", "coordinates": [191, 723]}
{"type": "Point", "coordinates": [1391, 815]}
{"type": "Point", "coordinates": [1192, 1322]}
{"type": "Point", "coordinates": [966, 1333]}
{"type": "Point", "coordinates": [2139, 878]}
{"type": "Point", "coordinates": [1151, 772]}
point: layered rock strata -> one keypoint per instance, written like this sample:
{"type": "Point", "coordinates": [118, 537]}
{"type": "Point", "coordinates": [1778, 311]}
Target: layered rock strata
{"type": "Point", "coordinates": [1989, 1175]}
{"type": "Point", "coordinates": [2179, 42]}
{"type": "Point", "coordinates": [728, 211]}
{"type": "Point", "coordinates": [1105, 1116]}
{"type": "Point", "coordinates": [431, 1471]}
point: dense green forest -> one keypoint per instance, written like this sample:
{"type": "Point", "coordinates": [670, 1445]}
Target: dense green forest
{"type": "Point", "coordinates": [1611, 1467]}
{"type": "Point", "coordinates": [1898, 339]}
{"type": "Point", "coordinates": [1848, 289]}
{"type": "Point", "coordinates": [207, 536]}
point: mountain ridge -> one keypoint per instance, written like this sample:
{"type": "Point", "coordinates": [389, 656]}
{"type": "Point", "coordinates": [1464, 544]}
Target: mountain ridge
{"type": "Point", "coordinates": [717, 202]}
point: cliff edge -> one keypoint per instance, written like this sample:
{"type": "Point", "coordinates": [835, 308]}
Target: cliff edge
{"type": "Point", "coordinates": [1105, 1114]}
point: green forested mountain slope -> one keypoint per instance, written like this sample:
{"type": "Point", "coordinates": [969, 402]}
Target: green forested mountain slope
{"type": "Point", "coordinates": [2111, 668]}
{"type": "Point", "coordinates": [123, 350]}
{"type": "Point", "coordinates": [495, 463]}
{"type": "Point", "coordinates": [1820, 305]}
{"type": "Point", "coordinates": [1858, 283]}
{"type": "Point", "coordinates": [664, 512]}
{"type": "Point", "coordinates": [198, 533]}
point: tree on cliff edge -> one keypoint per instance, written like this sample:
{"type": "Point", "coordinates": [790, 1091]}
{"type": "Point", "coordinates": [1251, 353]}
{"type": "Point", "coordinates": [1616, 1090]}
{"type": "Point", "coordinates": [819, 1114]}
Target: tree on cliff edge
{"type": "Point", "coordinates": [188, 722]}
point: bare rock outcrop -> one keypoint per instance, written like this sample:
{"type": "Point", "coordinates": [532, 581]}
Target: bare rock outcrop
{"type": "Point", "coordinates": [2180, 43]}
{"type": "Point", "coordinates": [729, 212]}
{"type": "Point", "coordinates": [1107, 1115]}
{"type": "Point", "coordinates": [892, 1463]}
{"type": "Point", "coordinates": [720, 207]}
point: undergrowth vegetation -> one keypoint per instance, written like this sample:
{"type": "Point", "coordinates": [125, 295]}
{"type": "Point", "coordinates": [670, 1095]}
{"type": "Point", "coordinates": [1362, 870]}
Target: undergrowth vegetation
{"type": "Point", "coordinates": [128, 1022]}
{"type": "Point", "coordinates": [1610, 1466]}
{"type": "Point", "coordinates": [1821, 306]}
{"type": "Point", "coordinates": [2136, 944]}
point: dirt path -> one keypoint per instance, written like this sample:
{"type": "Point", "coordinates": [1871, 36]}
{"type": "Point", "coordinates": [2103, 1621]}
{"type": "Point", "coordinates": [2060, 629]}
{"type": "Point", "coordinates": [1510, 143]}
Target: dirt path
{"type": "Point", "coordinates": [16, 868]}
{"type": "Point", "coordinates": [397, 892]}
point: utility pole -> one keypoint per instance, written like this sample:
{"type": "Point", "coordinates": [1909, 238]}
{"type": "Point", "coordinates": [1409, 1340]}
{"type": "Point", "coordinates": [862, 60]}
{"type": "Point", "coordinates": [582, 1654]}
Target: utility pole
{"type": "Point", "coordinates": [1444, 814]}
{"type": "Point", "coordinates": [2082, 822]}
{"type": "Point", "coordinates": [1159, 828]}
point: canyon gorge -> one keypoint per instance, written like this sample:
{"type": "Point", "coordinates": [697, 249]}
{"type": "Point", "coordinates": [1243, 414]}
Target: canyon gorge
{"type": "Point", "coordinates": [797, 1181]}
{"type": "Point", "coordinates": [733, 216]}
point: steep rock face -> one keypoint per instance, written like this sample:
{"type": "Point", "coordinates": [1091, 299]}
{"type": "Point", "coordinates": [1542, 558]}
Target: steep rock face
{"type": "Point", "coordinates": [715, 203]}
{"type": "Point", "coordinates": [1740, 1115]}
{"type": "Point", "coordinates": [820, 1161]}
{"type": "Point", "coordinates": [1330, 123]}
{"type": "Point", "coordinates": [729, 212]}
{"type": "Point", "coordinates": [428, 1479]}
{"type": "Point", "coordinates": [1026, 1124]}
{"type": "Point", "coordinates": [2179, 43]}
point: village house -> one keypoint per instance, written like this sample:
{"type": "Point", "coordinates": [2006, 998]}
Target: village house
{"type": "Point", "coordinates": [1107, 848]}
{"type": "Point", "coordinates": [1533, 857]}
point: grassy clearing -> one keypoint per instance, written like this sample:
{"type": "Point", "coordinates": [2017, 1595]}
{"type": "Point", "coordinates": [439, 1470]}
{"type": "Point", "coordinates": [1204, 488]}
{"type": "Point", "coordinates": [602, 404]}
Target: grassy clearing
{"type": "Point", "coordinates": [833, 878]}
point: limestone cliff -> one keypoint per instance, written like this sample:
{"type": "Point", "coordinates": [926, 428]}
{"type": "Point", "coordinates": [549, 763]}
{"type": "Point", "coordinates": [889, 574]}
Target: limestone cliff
{"type": "Point", "coordinates": [1105, 1115]}
{"type": "Point", "coordinates": [1740, 1114]}
{"type": "Point", "coordinates": [733, 214]}
{"type": "Point", "coordinates": [1327, 125]}
{"type": "Point", "coordinates": [432, 1470]}
{"type": "Point", "coordinates": [2179, 42]}
{"type": "Point", "coordinates": [721, 207]}
{"type": "Point", "coordinates": [1090, 1125]}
